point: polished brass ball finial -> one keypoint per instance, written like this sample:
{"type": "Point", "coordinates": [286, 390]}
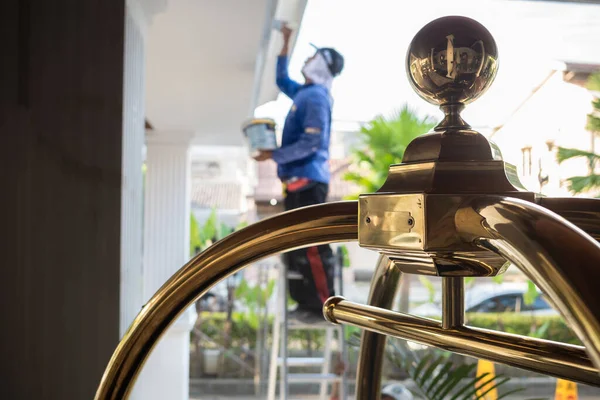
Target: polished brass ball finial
{"type": "Point", "coordinates": [450, 62]}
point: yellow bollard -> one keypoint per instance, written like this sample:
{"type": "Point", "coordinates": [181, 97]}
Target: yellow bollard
{"type": "Point", "coordinates": [484, 366]}
{"type": "Point", "coordinates": [565, 390]}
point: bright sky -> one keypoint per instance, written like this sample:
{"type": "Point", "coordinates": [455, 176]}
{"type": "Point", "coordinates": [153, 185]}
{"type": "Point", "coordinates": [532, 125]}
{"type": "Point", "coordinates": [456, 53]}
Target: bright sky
{"type": "Point", "coordinates": [373, 36]}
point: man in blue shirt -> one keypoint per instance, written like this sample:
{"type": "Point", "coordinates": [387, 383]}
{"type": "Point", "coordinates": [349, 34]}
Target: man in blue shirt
{"type": "Point", "coordinates": [303, 167]}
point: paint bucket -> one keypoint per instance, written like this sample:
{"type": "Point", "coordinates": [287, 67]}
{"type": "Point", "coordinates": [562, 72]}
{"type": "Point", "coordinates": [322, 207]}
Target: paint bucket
{"type": "Point", "coordinates": [261, 134]}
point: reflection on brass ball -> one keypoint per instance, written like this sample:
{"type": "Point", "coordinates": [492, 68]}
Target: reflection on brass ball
{"type": "Point", "coordinates": [452, 60]}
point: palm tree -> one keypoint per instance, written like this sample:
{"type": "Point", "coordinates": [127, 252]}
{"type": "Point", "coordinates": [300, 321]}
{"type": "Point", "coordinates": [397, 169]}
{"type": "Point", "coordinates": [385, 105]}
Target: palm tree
{"type": "Point", "coordinates": [384, 143]}
{"type": "Point", "coordinates": [437, 377]}
{"type": "Point", "coordinates": [580, 184]}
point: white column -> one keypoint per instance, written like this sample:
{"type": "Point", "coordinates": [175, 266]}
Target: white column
{"type": "Point", "coordinates": [131, 182]}
{"type": "Point", "coordinates": [166, 248]}
{"type": "Point", "coordinates": [138, 16]}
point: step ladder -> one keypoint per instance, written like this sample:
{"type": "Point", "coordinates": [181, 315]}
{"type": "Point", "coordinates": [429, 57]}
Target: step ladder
{"type": "Point", "coordinates": [280, 361]}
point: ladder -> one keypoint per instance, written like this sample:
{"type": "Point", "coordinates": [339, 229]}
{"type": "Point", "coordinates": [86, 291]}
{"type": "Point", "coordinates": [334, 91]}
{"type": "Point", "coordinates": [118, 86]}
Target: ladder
{"type": "Point", "coordinates": [280, 361]}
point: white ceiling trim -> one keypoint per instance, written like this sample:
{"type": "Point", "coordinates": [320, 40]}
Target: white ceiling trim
{"type": "Point", "coordinates": [210, 63]}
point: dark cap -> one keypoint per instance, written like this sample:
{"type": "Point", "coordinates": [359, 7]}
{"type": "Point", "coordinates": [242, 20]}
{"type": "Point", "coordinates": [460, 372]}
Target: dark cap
{"type": "Point", "coordinates": [334, 60]}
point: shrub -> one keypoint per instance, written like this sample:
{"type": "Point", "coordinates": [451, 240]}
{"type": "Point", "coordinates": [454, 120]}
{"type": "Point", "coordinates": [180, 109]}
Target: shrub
{"type": "Point", "coordinates": [551, 327]}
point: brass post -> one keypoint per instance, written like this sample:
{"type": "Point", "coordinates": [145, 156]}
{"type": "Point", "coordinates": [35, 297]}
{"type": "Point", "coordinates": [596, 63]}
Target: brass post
{"type": "Point", "coordinates": [384, 286]}
{"type": "Point", "coordinates": [453, 302]}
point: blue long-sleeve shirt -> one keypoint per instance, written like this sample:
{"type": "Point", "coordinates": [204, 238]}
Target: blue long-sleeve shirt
{"type": "Point", "coordinates": [304, 151]}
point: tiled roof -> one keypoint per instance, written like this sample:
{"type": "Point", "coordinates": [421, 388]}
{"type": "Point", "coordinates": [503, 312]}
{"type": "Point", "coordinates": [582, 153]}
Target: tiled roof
{"type": "Point", "coordinates": [229, 196]}
{"type": "Point", "coordinates": [269, 186]}
{"type": "Point", "coordinates": [226, 196]}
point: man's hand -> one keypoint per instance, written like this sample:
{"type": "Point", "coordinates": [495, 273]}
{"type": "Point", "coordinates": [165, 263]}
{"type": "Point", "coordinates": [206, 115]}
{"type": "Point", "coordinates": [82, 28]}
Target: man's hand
{"type": "Point", "coordinates": [286, 31]}
{"type": "Point", "coordinates": [263, 155]}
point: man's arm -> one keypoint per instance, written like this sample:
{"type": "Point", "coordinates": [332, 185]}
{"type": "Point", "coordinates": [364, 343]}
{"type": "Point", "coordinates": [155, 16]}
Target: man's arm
{"type": "Point", "coordinates": [287, 85]}
{"type": "Point", "coordinates": [315, 122]}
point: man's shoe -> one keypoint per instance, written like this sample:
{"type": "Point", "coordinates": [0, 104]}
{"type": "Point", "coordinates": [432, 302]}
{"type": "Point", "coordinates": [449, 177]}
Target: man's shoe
{"type": "Point", "coordinates": [306, 316]}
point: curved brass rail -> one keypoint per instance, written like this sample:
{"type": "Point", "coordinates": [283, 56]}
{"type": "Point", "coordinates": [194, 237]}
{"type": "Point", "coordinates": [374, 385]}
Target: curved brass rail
{"type": "Point", "coordinates": [562, 260]}
{"type": "Point", "coordinates": [327, 223]}
{"type": "Point", "coordinates": [558, 256]}
{"type": "Point", "coordinates": [583, 213]}
{"type": "Point", "coordinates": [382, 292]}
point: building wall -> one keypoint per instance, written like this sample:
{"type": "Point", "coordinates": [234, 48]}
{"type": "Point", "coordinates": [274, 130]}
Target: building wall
{"type": "Point", "coordinates": [213, 168]}
{"type": "Point", "coordinates": [60, 161]}
{"type": "Point", "coordinates": [554, 116]}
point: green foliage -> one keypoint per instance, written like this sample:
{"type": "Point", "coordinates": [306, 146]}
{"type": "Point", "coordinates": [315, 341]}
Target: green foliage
{"type": "Point", "coordinates": [291, 303]}
{"type": "Point", "coordinates": [593, 82]}
{"type": "Point", "coordinates": [565, 154]}
{"type": "Point", "coordinates": [204, 236]}
{"type": "Point", "coordinates": [531, 294]}
{"type": "Point", "coordinates": [551, 327]}
{"type": "Point", "coordinates": [195, 239]}
{"type": "Point", "coordinates": [384, 143]}
{"type": "Point", "coordinates": [593, 123]}
{"type": "Point", "coordinates": [253, 297]}
{"type": "Point", "coordinates": [439, 378]}
{"type": "Point", "coordinates": [352, 335]}
{"type": "Point", "coordinates": [244, 333]}
{"type": "Point", "coordinates": [208, 232]}
{"type": "Point", "coordinates": [540, 331]}
{"type": "Point", "coordinates": [345, 256]}
{"type": "Point", "coordinates": [580, 184]}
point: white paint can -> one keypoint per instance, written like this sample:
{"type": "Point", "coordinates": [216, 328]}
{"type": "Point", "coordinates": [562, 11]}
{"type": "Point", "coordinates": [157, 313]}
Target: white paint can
{"type": "Point", "coordinates": [260, 134]}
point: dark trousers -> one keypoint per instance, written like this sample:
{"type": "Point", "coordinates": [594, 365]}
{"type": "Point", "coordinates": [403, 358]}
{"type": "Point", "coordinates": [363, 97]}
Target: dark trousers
{"type": "Point", "coordinates": [316, 264]}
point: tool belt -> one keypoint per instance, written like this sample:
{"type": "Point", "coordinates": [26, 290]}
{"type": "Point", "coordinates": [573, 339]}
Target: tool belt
{"type": "Point", "coordinates": [294, 184]}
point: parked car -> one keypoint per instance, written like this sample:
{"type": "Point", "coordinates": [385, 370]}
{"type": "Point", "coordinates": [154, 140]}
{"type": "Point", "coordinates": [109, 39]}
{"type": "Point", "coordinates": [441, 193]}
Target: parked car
{"type": "Point", "coordinates": [494, 298]}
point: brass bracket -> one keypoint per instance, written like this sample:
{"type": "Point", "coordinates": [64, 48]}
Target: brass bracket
{"type": "Point", "coordinates": [412, 217]}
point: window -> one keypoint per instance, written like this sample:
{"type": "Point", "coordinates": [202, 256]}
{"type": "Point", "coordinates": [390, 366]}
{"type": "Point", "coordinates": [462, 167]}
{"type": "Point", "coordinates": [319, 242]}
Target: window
{"type": "Point", "coordinates": [507, 303]}
{"type": "Point", "coordinates": [486, 306]}
{"type": "Point", "coordinates": [498, 304]}
{"type": "Point", "coordinates": [539, 304]}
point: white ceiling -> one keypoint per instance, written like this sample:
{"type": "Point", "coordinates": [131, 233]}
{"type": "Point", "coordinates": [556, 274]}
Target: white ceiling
{"type": "Point", "coordinates": [206, 62]}
{"type": "Point", "coordinates": [292, 12]}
